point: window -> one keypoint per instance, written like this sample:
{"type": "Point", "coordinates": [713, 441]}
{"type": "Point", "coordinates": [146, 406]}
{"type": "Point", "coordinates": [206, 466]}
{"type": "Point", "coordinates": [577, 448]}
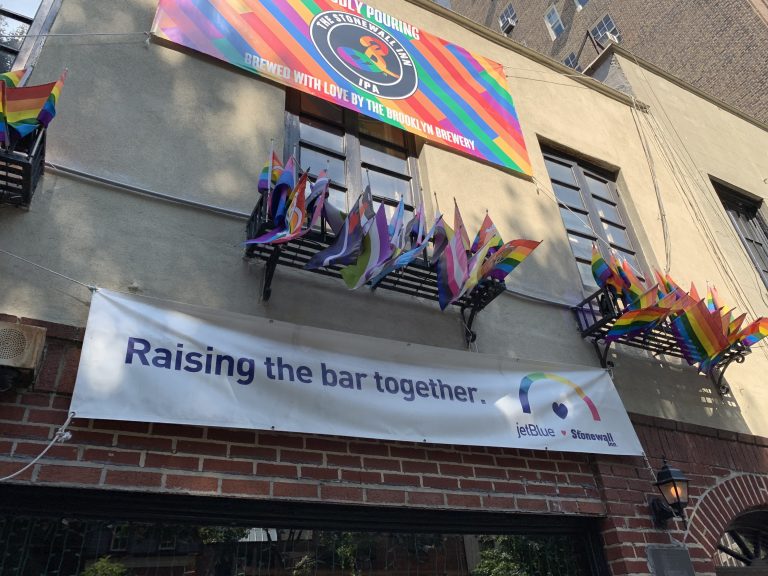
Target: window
{"type": "Point", "coordinates": [508, 19]}
{"type": "Point", "coordinates": [444, 3]}
{"type": "Point", "coordinates": [572, 61]}
{"type": "Point", "coordinates": [355, 149]}
{"type": "Point", "coordinates": [19, 18]}
{"type": "Point", "coordinates": [605, 30]}
{"type": "Point", "coordinates": [554, 24]}
{"type": "Point", "coordinates": [580, 4]}
{"type": "Point", "coordinates": [749, 224]}
{"type": "Point", "coordinates": [590, 210]}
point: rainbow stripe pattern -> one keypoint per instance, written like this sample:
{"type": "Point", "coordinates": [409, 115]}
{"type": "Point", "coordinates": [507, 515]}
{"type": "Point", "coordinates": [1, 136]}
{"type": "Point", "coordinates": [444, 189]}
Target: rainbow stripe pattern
{"type": "Point", "coordinates": [13, 78]}
{"type": "Point", "coordinates": [48, 111]}
{"type": "Point", "coordinates": [460, 100]}
{"type": "Point", "coordinates": [530, 379]}
{"type": "Point", "coordinates": [24, 105]}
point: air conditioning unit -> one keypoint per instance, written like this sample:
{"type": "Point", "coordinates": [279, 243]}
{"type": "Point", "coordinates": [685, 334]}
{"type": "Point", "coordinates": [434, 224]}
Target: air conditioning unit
{"type": "Point", "coordinates": [507, 25]}
{"type": "Point", "coordinates": [21, 354]}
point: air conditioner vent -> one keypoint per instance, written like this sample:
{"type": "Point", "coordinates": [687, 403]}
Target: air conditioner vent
{"type": "Point", "coordinates": [12, 343]}
{"type": "Point", "coordinates": [21, 353]}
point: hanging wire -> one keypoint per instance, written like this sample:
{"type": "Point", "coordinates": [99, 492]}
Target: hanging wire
{"type": "Point", "coordinates": [89, 286]}
{"type": "Point", "coordinates": [61, 436]}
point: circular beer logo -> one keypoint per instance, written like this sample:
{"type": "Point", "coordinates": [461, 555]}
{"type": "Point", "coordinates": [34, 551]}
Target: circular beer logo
{"type": "Point", "coordinates": [364, 54]}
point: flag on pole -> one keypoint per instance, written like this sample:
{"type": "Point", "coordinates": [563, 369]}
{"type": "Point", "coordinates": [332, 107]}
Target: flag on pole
{"type": "Point", "coordinates": [316, 200]}
{"type": "Point", "coordinates": [273, 165]}
{"type": "Point", "coordinates": [376, 249]}
{"type": "Point", "coordinates": [293, 225]}
{"type": "Point", "coordinates": [474, 268]}
{"type": "Point", "coordinates": [451, 269]}
{"type": "Point", "coordinates": [403, 258]}
{"type": "Point", "coordinates": [458, 226]}
{"type": "Point", "coordinates": [698, 333]}
{"type": "Point", "coordinates": [12, 78]}
{"type": "Point", "coordinates": [487, 231]}
{"type": "Point", "coordinates": [280, 193]}
{"type": "Point", "coordinates": [603, 273]}
{"type": "Point", "coordinates": [49, 108]}
{"type": "Point", "coordinates": [633, 322]}
{"type": "Point", "coordinates": [346, 247]}
{"type": "Point", "coordinates": [24, 105]}
{"type": "Point", "coordinates": [499, 265]}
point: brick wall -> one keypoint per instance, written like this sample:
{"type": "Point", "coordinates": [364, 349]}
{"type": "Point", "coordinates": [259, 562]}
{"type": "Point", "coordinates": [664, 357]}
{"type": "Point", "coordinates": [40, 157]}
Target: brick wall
{"type": "Point", "coordinates": [113, 455]}
{"type": "Point", "coordinates": [719, 47]}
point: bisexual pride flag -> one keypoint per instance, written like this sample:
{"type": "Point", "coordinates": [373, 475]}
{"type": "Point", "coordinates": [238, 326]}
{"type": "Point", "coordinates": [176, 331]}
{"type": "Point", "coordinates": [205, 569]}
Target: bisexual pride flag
{"type": "Point", "coordinates": [362, 59]}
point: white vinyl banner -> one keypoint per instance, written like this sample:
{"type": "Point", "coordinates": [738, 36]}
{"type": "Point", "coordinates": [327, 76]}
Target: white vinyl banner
{"type": "Point", "coordinates": [156, 361]}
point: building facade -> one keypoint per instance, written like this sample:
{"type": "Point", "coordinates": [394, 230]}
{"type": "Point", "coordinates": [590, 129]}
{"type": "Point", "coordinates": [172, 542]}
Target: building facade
{"type": "Point", "coordinates": [150, 179]}
{"type": "Point", "coordinates": [717, 47]}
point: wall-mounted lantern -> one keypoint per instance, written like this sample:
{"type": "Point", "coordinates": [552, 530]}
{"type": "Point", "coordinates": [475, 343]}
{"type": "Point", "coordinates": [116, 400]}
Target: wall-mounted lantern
{"type": "Point", "coordinates": [673, 486]}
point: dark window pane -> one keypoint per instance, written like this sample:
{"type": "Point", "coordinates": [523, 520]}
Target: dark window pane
{"type": "Point", "coordinates": [316, 161]}
{"type": "Point", "coordinates": [322, 135]}
{"type": "Point", "coordinates": [567, 195]}
{"type": "Point", "coordinates": [6, 60]}
{"type": "Point", "coordinates": [382, 131]}
{"type": "Point", "coordinates": [385, 186]}
{"type": "Point", "coordinates": [383, 157]}
{"type": "Point", "coordinates": [12, 32]}
{"type": "Point", "coordinates": [321, 109]}
{"type": "Point", "coordinates": [561, 172]}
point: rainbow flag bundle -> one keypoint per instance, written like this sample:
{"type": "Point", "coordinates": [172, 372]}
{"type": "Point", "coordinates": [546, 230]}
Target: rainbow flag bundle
{"type": "Point", "coordinates": [704, 329]}
{"type": "Point", "coordinates": [13, 78]}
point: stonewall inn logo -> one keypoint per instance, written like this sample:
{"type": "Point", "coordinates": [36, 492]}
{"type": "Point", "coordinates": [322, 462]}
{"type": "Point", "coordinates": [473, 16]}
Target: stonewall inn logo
{"type": "Point", "coordinates": [364, 54]}
{"type": "Point", "coordinates": [560, 409]}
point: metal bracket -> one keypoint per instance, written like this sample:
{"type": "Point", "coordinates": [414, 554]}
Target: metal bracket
{"type": "Point", "coordinates": [602, 352]}
{"type": "Point", "coordinates": [469, 335]}
{"type": "Point", "coordinates": [269, 273]}
{"type": "Point", "coordinates": [717, 372]}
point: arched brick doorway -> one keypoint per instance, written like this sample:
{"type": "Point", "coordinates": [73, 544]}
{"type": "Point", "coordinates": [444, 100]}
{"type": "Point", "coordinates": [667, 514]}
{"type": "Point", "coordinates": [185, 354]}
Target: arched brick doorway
{"type": "Point", "coordinates": [729, 526]}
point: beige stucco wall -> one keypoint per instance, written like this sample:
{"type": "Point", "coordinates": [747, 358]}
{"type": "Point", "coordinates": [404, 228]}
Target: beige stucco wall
{"type": "Point", "coordinates": [182, 125]}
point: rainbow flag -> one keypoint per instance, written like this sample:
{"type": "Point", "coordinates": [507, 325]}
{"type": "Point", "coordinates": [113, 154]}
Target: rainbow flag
{"type": "Point", "coordinates": [601, 271]}
{"type": "Point", "coordinates": [49, 108]}
{"type": "Point", "coordinates": [507, 258]}
{"type": "Point", "coordinates": [486, 232]}
{"type": "Point", "coordinates": [278, 202]}
{"type": "Point", "coordinates": [451, 270]}
{"type": "Point", "coordinates": [474, 268]}
{"type": "Point", "coordinates": [293, 226]}
{"type": "Point", "coordinates": [633, 287]}
{"type": "Point", "coordinates": [734, 328]}
{"type": "Point", "coordinates": [316, 200]}
{"type": "Point", "coordinates": [276, 167]}
{"type": "Point", "coordinates": [698, 333]}
{"type": "Point", "coordinates": [12, 78]}
{"type": "Point", "coordinates": [633, 322]}
{"type": "Point", "coordinates": [645, 300]}
{"type": "Point", "coordinates": [443, 235]}
{"type": "Point", "coordinates": [397, 226]}
{"type": "Point", "coordinates": [754, 332]}
{"type": "Point", "coordinates": [23, 106]}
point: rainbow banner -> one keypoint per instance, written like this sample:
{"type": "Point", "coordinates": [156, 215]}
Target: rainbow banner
{"type": "Point", "coordinates": [363, 59]}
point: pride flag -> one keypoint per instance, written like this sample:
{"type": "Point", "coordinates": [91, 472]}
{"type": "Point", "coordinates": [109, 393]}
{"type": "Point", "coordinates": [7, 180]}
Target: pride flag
{"type": "Point", "coordinates": [278, 201]}
{"type": "Point", "coordinates": [458, 226]}
{"type": "Point", "coordinates": [293, 224]}
{"type": "Point", "coordinates": [754, 332]}
{"type": "Point", "coordinates": [603, 273]}
{"type": "Point", "coordinates": [12, 78]}
{"type": "Point", "coordinates": [699, 333]}
{"type": "Point", "coordinates": [346, 247]}
{"type": "Point", "coordinates": [451, 270]}
{"type": "Point", "coordinates": [633, 322]}
{"type": "Point", "coordinates": [376, 250]}
{"type": "Point", "coordinates": [507, 258]}
{"type": "Point", "coordinates": [486, 232]}
{"type": "Point", "coordinates": [273, 165]}
{"type": "Point", "coordinates": [24, 105]}
{"type": "Point", "coordinates": [49, 108]}
{"type": "Point", "coordinates": [474, 268]}
{"type": "Point", "coordinates": [401, 259]}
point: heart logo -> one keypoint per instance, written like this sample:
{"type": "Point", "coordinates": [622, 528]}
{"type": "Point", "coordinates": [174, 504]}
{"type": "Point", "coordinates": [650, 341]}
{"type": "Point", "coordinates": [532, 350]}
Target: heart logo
{"type": "Point", "coordinates": [560, 409]}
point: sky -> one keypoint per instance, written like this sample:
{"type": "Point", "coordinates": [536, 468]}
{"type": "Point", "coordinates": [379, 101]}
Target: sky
{"type": "Point", "coordinates": [23, 7]}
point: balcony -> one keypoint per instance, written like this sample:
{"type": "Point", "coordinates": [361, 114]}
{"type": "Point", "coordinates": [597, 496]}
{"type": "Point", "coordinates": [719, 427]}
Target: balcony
{"type": "Point", "coordinates": [21, 169]}
{"type": "Point", "coordinates": [416, 279]}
